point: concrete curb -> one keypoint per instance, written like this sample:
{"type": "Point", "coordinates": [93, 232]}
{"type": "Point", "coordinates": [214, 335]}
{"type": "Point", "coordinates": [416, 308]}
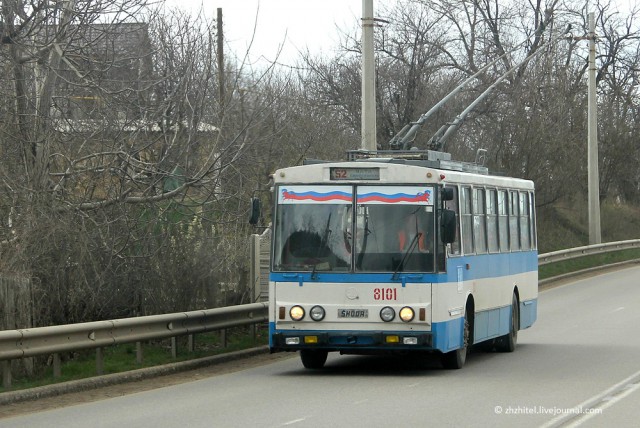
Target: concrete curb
{"type": "Point", "coordinates": [129, 376]}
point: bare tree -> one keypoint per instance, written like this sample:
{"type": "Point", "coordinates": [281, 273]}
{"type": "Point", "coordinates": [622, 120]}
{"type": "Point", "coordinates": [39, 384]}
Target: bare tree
{"type": "Point", "coordinates": [125, 199]}
{"type": "Point", "coordinates": [124, 184]}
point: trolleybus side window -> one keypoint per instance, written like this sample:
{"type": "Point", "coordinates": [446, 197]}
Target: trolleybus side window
{"type": "Point", "coordinates": [514, 234]}
{"type": "Point", "coordinates": [534, 243]}
{"type": "Point", "coordinates": [467, 220]}
{"type": "Point", "coordinates": [453, 206]}
{"type": "Point", "coordinates": [479, 221]}
{"type": "Point", "coordinates": [525, 229]}
{"type": "Point", "coordinates": [492, 221]}
{"type": "Point", "coordinates": [503, 221]}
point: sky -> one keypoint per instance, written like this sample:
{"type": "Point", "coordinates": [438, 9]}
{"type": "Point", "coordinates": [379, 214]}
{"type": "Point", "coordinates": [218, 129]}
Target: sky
{"type": "Point", "coordinates": [293, 25]}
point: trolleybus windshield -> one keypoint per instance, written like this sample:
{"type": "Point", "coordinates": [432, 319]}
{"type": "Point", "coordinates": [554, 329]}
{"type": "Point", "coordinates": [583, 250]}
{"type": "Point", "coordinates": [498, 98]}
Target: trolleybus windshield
{"type": "Point", "coordinates": [390, 230]}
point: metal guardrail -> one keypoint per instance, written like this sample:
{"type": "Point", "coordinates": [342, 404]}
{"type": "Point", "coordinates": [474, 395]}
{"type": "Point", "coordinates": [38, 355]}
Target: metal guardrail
{"type": "Point", "coordinates": [46, 340]}
{"type": "Point", "coordinates": [15, 344]}
{"type": "Point", "coordinates": [33, 342]}
{"type": "Point", "coordinates": [572, 253]}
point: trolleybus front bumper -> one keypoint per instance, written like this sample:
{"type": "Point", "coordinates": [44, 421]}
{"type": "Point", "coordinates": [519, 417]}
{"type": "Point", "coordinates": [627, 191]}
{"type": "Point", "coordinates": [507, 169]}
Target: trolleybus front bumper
{"type": "Point", "coordinates": [351, 341]}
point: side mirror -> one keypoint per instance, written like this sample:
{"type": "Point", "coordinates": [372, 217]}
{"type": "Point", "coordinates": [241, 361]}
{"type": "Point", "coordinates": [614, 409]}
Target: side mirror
{"type": "Point", "coordinates": [447, 194]}
{"type": "Point", "coordinates": [254, 211]}
{"type": "Point", "coordinates": [448, 226]}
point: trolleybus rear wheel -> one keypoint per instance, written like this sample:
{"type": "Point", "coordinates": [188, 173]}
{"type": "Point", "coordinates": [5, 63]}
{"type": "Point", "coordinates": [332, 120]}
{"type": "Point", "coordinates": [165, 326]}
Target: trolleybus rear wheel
{"type": "Point", "coordinates": [508, 342]}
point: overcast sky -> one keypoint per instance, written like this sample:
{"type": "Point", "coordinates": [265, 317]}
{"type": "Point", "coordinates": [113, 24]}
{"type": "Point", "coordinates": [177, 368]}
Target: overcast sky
{"type": "Point", "coordinates": [294, 24]}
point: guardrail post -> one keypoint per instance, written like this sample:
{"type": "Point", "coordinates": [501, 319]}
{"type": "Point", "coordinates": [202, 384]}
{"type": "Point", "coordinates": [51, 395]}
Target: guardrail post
{"type": "Point", "coordinates": [99, 362]}
{"type": "Point", "coordinates": [190, 343]}
{"type": "Point", "coordinates": [223, 337]}
{"type": "Point", "coordinates": [28, 365]}
{"type": "Point", "coordinates": [174, 347]}
{"type": "Point", "coordinates": [57, 366]}
{"type": "Point", "coordinates": [139, 355]}
{"type": "Point", "coordinates": [6, 374]}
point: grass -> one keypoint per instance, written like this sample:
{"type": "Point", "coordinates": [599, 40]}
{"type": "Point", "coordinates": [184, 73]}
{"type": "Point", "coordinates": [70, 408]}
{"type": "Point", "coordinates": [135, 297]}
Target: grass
{"type": "Point", "coordinates": [122, 358]}
{"type": "Point", "coordinates": [565, 224]}
{"type": "Point", "coordinates": [574, 265]}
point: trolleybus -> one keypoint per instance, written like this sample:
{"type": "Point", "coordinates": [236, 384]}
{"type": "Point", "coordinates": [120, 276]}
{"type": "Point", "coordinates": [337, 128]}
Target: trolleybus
{"type": "Point", "coordinates": [400, 252]}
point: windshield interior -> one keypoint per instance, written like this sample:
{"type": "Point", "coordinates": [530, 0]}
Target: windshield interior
{"type": "Point", "coordinates": [354, 228]}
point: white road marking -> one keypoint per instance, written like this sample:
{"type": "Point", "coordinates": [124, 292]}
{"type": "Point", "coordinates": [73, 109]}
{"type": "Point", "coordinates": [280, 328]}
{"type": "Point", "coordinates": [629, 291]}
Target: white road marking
{"type": "Point", "coordinates": [607, 402]}
{"type": "Point", "coordinates": [603, 400]}
{"type": "Point", "coordinates": [295, 421]}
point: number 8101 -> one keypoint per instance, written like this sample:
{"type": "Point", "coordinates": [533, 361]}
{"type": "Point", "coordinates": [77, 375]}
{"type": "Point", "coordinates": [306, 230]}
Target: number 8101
{"type": "Point", "coordinates": [385, 294]}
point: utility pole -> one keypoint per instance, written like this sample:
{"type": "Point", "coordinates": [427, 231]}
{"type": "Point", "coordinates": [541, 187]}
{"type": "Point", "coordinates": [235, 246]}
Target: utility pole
{"type": "Point", "coordinates": [220, 58]}
{"type": "Point", "coordinates": [592, 137]}
{"type": "Point", "coordinates": [368, 79]}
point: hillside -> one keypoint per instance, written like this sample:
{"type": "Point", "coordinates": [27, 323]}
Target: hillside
{"type": "Point", "coordinates": [565, 224]}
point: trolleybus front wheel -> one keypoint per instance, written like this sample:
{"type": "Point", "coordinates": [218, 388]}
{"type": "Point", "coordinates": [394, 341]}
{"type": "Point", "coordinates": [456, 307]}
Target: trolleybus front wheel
{"type": "Point", "coordinates": [313, 359]}
{"type": "Point", "coordinates": [456, 359]}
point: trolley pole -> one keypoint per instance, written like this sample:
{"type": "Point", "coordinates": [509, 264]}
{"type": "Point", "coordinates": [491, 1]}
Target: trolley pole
{"type": "Point", "coordinates": [592, 137]}
{"type": "Point", "coordinates": [368, 79]}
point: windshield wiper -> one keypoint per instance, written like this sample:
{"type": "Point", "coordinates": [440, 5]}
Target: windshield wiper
{"type": "Point", "coordinates": [412, 246]}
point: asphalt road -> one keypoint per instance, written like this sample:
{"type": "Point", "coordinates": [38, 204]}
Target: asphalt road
{"type": "Point", "coordinates": [579, 365]}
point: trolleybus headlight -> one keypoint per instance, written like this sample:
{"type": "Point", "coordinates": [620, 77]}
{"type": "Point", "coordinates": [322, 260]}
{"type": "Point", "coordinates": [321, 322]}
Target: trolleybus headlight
{"type": "Point", "coordinates": [387, 314]}
{"type": "Point", "coordinates": [296, 313]}
{"type": "Point", "coordinates": [317, 313]}
{"type": "Point", "coordinates": [406, 314]}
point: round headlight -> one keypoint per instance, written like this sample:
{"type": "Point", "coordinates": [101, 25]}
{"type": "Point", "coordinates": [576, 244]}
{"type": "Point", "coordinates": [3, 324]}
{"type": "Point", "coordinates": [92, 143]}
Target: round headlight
{"type": "Point", "coordinates": [296, 313]}
{"type": "Point", "coordinates": [406, 314]}
{"type": "Point", "coordinates": [387, 314]}
{"type": "Point", "coordinates": [317, 313]}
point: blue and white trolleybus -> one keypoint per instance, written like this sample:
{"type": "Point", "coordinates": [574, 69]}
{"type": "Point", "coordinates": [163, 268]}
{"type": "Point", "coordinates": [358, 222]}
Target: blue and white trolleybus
{"type": "Point", "coordinates": [400, 252]}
